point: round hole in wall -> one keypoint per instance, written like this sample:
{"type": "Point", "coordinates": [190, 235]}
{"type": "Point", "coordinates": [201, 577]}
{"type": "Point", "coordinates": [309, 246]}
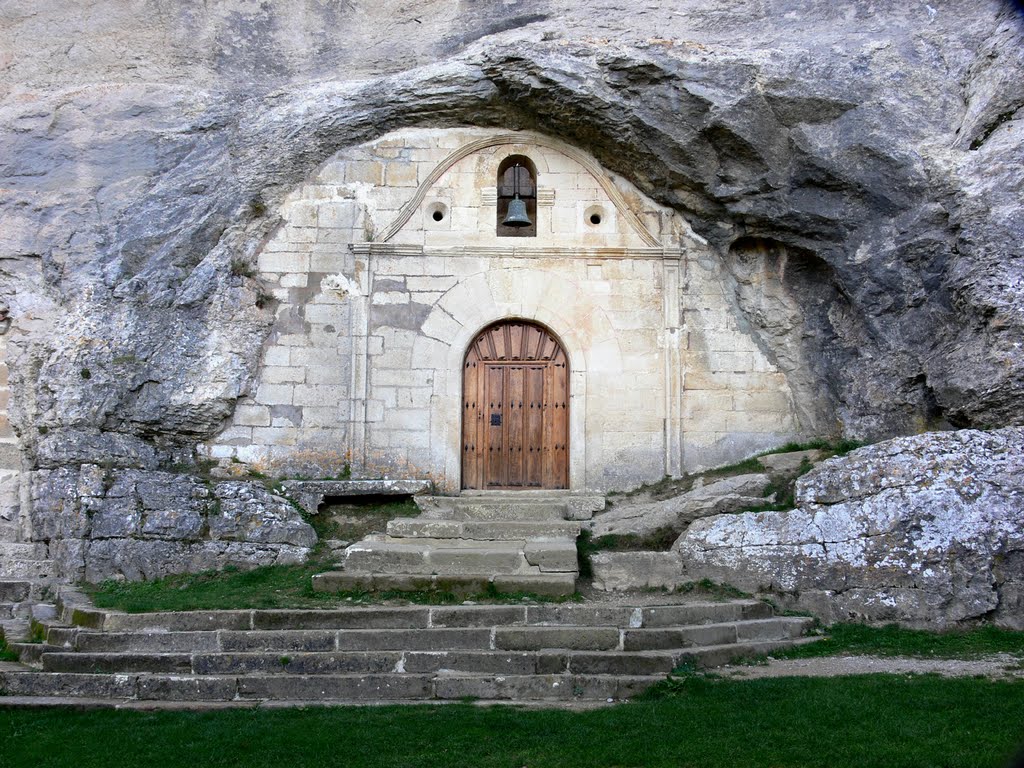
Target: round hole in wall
{"type": "Point", "coordinates": [594, 215]}
{"type": "Point", "coordinates": [436, 212]}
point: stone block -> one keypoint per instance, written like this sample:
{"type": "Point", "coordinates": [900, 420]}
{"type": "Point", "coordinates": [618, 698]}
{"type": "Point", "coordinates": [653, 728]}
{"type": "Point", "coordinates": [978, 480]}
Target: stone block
{"type": "Point", "coordinates": [329, 262]}
{"type": "Point", "coordinates": [282, 262]}
{"type": "Point", "coordinates": [339, 214]}
{"type": "Point", "coordinates": [275, 394]}
{"type": "Point", "coordinates": [282, 375]}
{"type": "Point", "coordinates": [551, 554]}
{"type": "Point", "coordinates": [415, 639]}
{"type": "Point", "coordinates": [400, 173]}
{"type": "Point", "coordinates": [279, 640]}
{"type": "Point", "coordinates": [478, 616]}
{"type": "Point", "coordinates": [636, 570]}
{"type": "Point", "coordinates": [340, 688]}
{"type": "Point", "coordinates": [98, 686]}
{"type": "Point", "coordinates": [571, 638]}
{"type": "Point", "coordinates": [680, 637]}
{"type": "Point", "coordinates": [603, 663]}
{"type": "Point", "coordinates": [364, 171]}
{"type": "Point", "coordinates": [321, 395]}
{"type": "Point", "coordinates": [355, 618]}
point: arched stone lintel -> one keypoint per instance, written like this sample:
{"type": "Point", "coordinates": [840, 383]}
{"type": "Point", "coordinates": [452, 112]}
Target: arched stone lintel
{"type": "Point", "coordinates": [522, 140]}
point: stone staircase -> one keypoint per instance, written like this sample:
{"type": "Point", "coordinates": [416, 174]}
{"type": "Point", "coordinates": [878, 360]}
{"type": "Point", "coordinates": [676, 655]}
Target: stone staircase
{"type": "Point", "coordinates": [522, 541]}
{"type": "Point", "coordinates": [25, 577]}
{"type": "Point", "coordinates": [549, 654]}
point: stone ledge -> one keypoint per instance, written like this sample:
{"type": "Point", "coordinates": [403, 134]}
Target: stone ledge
{"type": "Point", "coordinates": [311, 493]}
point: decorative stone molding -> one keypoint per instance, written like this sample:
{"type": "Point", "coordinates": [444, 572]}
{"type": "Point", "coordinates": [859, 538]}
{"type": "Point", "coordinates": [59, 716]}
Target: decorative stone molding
{"type": "Point", "coordinates": [527, 139]}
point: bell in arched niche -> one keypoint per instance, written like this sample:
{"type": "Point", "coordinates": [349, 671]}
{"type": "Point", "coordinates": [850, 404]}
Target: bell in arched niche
{"type": "Point", "coordinates": [517, 197]}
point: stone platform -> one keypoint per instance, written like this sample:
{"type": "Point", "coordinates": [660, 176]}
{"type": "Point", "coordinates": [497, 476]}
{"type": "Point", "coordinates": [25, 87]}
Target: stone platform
{"type": "Point", "coordinates": [521, 541]}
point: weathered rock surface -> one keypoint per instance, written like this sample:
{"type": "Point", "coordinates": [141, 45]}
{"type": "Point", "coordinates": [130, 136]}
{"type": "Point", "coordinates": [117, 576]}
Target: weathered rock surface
{"type": "Point", "coordinates": [731, 494]}
{"type": "Point", "coordinates": [875, 154]}
{"type": "Point", "coordinates": [926, 530]}
{"type": "Point", "coordinates": [101, 522]}
{"type": "Point", "coordinates": [859, 169]}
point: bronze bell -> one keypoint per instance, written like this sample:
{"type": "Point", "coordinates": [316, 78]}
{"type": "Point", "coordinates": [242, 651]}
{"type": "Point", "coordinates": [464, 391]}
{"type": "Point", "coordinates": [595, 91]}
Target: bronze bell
{"type": "Point", "coordinates": [516, 216]}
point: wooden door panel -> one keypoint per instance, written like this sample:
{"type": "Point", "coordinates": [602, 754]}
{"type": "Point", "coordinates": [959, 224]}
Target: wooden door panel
{"type": "Point", "coordinates": [494, 424]}
{"type": "Point", "coordinates": [472, 455]}
{"type": "Point", "coordinates": [515, 384]}
{"type": "Point", "coordinates": [515, 409]}
{"type": "Point", "coordinates": [534, 437]}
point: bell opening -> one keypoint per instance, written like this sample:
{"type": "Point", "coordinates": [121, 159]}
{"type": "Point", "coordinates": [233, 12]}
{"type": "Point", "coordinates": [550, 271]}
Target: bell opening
{"type": "Point", "coordinates": [517, 197]}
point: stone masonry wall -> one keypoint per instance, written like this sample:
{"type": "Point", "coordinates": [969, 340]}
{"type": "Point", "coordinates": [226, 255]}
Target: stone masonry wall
{"type": "Point", "coordinates": [388, 264]}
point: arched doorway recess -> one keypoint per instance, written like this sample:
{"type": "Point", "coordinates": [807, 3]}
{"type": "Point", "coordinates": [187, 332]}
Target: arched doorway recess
{"type": "Point", "coordinates": [515, 409]}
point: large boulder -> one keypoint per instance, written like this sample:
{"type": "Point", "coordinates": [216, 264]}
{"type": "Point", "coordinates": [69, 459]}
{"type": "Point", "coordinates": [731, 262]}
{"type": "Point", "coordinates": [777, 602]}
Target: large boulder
{"type": "Point", "coordinates": [923, 530]}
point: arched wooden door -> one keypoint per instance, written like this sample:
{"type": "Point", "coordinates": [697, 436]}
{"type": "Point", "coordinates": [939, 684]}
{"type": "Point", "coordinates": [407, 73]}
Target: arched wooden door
{"type": "Point", "coordinates": [515, 409]}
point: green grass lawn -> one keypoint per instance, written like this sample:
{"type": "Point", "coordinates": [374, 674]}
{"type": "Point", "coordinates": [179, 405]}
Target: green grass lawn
{"type": "Point", "coordinates": [875, 721]}
{"type": "Point", "coordinates": [893, 640]}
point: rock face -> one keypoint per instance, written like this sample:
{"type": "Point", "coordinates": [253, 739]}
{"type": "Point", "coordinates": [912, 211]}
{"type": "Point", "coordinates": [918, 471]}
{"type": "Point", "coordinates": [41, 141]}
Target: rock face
{"type": "Point", "coordinates": [926, 530]}
{"type": "Point", "coordinates": [732, 494]}
{"type": "Point", "coordinates": [858, 170]}
{"type": "Point", "coordinates": [102, 523]}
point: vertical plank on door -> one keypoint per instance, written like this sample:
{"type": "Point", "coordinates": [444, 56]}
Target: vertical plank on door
{"type": "Point", "coordinates": [494, 423]}
{"type": "Point", "coordinates": [515, 384]}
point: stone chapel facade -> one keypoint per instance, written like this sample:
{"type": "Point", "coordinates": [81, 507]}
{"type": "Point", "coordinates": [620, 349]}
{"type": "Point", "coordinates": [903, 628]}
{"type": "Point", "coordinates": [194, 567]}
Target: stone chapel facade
{"type": "Point", "coordinates": [595, 347]}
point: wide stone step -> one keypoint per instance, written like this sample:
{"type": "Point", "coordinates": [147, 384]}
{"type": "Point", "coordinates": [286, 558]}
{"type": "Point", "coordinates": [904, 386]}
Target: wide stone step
{"type": "Point", "coordinates": [440, 556]}
{"type": "Point", "coordinates": [513, 511]}
{"type": "Point", "coordinates": [482, 530]}
{"type": "Point", "coordinates": [414, 616]}
{"type": "Point", "coordinates": [365, 662]}
{"type": "Point", "coordinates": [510, 638]}
{"type": "Point", "coordinates": [361, 687]}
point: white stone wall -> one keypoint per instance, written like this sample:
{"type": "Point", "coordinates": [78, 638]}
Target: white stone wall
{"type": "Point", "coordinates": [10, 455]}
{"type": "Point", "coordinates": [377, 303]}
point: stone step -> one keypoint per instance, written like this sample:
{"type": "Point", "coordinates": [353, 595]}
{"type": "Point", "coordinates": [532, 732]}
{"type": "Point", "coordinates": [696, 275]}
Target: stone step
{"type": "Point", "coordinates": [32, 653]}
{"type": "Point", "coordinates": [545, 584]}
{"type": "Point", "coordinates": [361, 687]}
{"type": "Point", "coordinates": [364, 662]}
{"type": "Point", "coordinates": [482, 530]}
{"type": "Point", "coordinates": [781, 628]}
{"type": "Point", "coordinates": [509, 638]}
{"type": "Point", "coordinates": [14, 630]}
{"type": "Point", "coordinates": [435, 556]}
{"type": "Point", "coordinates": [511, 509]}
{"type": "Point", "coordinates": [415, 616]}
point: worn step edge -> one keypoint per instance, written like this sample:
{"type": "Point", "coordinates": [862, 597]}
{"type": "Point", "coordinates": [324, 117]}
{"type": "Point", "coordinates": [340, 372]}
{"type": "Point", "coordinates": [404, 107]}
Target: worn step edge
{"type": "Point", "coordinates": [286, 687]}
{"type": "Point", "coordinates": [365, 662]}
